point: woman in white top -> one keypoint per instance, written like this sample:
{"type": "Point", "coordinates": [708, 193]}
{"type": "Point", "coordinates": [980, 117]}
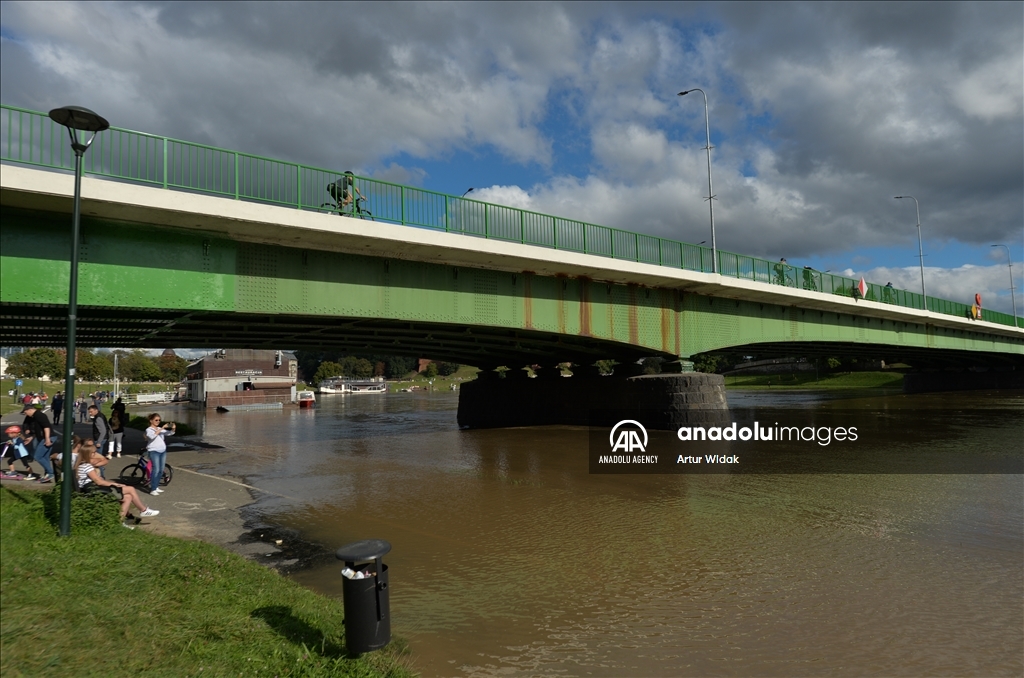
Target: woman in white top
{"type": "Point", "coordinates": [90, 480]}
{"type": "Point", "coordinates": [156, 448]}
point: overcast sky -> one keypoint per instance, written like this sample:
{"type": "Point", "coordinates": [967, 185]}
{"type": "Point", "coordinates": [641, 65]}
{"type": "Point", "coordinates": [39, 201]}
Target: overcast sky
{"type": "Point", "coordinates": [820, 113]}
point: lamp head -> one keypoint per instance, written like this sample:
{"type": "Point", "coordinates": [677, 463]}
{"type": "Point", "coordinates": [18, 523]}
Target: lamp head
{"type": "Point", "coordinates": [685, 92]}
{"type": "Point", "coordinates": [76, 117]}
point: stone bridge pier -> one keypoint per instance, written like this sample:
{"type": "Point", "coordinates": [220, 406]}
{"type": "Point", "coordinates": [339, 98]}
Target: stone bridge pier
{"type": "Point", "coordinates": [659, 401]}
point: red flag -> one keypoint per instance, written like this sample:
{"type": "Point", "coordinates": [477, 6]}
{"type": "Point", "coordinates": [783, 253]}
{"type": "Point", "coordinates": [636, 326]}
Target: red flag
{"type": "Point", "coordinates": [862, 287]}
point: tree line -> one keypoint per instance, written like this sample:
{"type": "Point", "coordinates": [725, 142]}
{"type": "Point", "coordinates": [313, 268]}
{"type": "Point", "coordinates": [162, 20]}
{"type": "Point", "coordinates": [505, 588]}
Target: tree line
{"type": "Point", "coordinates": [98, 365]}
{"type": "Point", "coordinates": [315, 366]}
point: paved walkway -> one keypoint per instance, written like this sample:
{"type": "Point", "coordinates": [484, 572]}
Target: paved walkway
{"type": "Point", "coordinates": [196, 505]}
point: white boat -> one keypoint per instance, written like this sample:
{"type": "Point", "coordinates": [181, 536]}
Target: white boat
{"type": "Point", "coordinates": [345, 385]}
{"type": "Point", "coordinates": [306, 399]}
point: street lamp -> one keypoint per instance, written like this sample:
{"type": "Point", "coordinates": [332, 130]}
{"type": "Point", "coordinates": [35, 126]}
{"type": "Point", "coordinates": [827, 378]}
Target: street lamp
{"type": "Point", "coordinates": [75, 119]}
{"type": "Point", "coordinates": [468, 191]}
{"type": "Point", "coordinates": [920, 246]}
{"type": "Point", "coordinates": [711, 193]}
{"type": "Point", "coordinates": [1013, 299]}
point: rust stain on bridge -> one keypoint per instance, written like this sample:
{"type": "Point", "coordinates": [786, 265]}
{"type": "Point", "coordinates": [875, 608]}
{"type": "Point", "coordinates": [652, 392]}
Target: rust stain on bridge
{"type": "Point", "coordinates": [585, 310]}
{"type": "Point", "coordinates": [666, 319]}
{"type": "Point", "coordinates": [527, 300]}
{"type": "Point", "coordinates": [634, 325]}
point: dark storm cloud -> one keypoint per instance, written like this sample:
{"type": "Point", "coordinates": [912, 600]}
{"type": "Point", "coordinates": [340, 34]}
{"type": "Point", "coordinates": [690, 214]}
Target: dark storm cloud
{"type": "Point", "coordinates": [822, 111]}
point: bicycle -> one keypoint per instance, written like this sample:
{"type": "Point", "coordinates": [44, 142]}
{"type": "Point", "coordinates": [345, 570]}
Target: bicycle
{"type": "Point", "coordinates": [338, 193]}
{"type": "Point", "coordinates": [139, 472]}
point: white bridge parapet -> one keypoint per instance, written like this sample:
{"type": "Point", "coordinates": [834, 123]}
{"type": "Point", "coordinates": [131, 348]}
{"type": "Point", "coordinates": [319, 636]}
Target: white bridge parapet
{"type": "Point", "coordinates": [246, 221]}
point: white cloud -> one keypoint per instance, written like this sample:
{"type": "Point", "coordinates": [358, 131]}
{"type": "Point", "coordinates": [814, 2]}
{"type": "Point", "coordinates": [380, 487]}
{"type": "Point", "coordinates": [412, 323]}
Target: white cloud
{"type": "Point", "coordinates": [957, 284]}
{"type": "Point", "coordinates": [820, 113]}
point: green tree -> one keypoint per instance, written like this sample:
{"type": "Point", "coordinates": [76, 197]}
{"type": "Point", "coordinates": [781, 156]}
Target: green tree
{"type": "Point", "coordinates": [37, 362]}
{"type": "Point", "coordinates": [327, 370]}
{"type": "Point", "coordinates": [447, 369]}
{"type": "Point", "coordinates": [712, 363]}
{"type": "Point", "coordinates": [652, 365]}
{"type": "Point", "coordinates": [137, 366]}
{"type": "Point", "coordinates": [92, 367]}
{"type": "Point", "coordinates": [363, 369]}
{"type": "Point", "coordinates": [172, 368]}
{"type": "Point", "coordinates": [430, 371]}
{"type": "Point", "coordinates": [397, 367]}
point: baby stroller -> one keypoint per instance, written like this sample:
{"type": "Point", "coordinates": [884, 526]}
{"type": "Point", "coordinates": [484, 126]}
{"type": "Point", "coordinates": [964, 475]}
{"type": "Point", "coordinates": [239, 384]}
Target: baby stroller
{"type": "Point", "coordinates": [14, 450]}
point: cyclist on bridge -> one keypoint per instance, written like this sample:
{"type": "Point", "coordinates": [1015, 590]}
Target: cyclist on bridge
{"type": "Point", "coordinates": [341, 190]}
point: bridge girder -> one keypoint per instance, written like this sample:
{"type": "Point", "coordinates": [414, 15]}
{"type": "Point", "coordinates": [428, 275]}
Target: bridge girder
{"type": "Point", "coordinates": [155, 287]}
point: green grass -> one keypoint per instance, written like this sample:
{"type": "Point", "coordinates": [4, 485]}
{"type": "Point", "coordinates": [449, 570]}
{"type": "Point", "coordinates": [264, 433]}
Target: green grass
{"type": "Point", "coordinates": [51, 387]}
{"type": "Point", "coordinates": [116, 602]}
{"type": "Point", "coordinates": [806, 380]}
{"type": "Point", "coordinates": [465, 373]}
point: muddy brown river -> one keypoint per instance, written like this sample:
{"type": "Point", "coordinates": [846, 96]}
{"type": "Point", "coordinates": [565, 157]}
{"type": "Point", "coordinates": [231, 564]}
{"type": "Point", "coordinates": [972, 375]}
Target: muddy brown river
{"type": "Point", "coordinates": [511, 559]}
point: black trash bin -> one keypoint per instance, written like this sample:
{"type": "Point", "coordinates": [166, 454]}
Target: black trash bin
{"type": "Point", "coordinates": [365, 589]}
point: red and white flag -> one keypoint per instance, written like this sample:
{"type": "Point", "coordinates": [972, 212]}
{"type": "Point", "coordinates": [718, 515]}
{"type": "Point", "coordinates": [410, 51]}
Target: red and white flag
{"type": "Point", "coordinates": [862, 287]}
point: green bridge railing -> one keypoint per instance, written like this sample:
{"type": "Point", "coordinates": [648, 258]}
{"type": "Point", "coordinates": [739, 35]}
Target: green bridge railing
{"type": "Point", "coordinates": [31, 138]}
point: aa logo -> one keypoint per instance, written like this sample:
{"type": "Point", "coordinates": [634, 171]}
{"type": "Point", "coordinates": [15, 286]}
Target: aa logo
{"type": "Point", "coordinates": [631, 438]}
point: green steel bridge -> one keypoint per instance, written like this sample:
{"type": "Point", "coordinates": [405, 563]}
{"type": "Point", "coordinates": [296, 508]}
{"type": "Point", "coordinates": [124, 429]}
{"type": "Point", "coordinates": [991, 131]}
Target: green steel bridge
{"type": "Point", "coordinates": [187, 245]}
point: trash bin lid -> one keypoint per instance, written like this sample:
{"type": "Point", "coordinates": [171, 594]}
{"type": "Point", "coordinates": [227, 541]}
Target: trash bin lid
{"type": "Point", "coordinates": [362, 551]}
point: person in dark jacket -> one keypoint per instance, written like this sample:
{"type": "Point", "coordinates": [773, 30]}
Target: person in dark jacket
{"type": "Point", "coordinates": [42, 438]}
{"type": "Point", "coordinates": [57, 406]}
{"type": "Point", "coordinates": [116, 422]}
{"type": "Point", "coordinates": [100, 429]}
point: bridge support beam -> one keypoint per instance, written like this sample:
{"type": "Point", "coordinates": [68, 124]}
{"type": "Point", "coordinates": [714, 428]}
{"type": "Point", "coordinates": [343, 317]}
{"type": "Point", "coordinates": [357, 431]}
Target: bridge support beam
{"type": "Point", "coordinates": [659, 401]}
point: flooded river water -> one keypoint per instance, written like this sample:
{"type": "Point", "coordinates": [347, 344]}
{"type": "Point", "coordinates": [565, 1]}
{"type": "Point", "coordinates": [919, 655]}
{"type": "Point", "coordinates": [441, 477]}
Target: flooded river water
{"type": "Point", "coordinates": [510, 559]}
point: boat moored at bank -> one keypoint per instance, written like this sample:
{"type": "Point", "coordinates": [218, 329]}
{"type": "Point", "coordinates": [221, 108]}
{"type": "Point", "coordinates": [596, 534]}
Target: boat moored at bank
{"type": "Point", "coordinates": [345, 385]}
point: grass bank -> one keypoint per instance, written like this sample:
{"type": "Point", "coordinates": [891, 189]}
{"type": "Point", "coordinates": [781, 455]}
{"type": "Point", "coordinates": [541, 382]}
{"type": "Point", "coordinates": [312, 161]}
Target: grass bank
{"type": "Point", "coordinates": [806, 380]}
{"type": "Point", "coordinates": [116, 602]}
{"type": "Point", "coordinates": [50, 387]}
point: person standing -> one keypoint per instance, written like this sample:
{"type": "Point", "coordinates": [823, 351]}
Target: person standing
{"type": "Point", "coordinates": [116, 431]}
{"type": "Point", "coordinates": [156, 447]}
{"type": "Point", "coordinates": [42, 438]}
{"type": "Point", "coordinates": [100, 429]}
{"type": "Point", "coordinates": [57, 406]}
{"type": "Point", "coordinates": [83, 409]}
{"type": "Point", "coordinates": [120, 408]}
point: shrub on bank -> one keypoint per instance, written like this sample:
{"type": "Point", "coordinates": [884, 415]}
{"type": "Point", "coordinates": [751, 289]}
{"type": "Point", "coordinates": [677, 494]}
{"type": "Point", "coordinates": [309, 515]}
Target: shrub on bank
{"type": "Point", "coordinates": [129, 603]}
{"type": "Point", "coordinates": [90, 512]}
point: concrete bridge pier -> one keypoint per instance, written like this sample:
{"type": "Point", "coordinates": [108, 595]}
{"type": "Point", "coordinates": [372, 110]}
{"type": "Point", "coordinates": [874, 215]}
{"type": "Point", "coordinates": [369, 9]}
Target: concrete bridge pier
{"type": "Point", "coordinates": [658, 401]}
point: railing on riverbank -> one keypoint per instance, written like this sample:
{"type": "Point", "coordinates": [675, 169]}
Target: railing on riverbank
{"type": "Point", "coordinates": [31, 138]}
{"type": "Point", "coordinates": [144, 398]}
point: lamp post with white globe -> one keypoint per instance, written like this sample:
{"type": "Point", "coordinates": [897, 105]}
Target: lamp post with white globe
{"type": "Point", "coordinates": [76, 119]}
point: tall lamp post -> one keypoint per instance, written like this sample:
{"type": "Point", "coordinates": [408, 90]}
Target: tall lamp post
{"type": "Point", "coordinates": [75, 119]}
{"type": "Point", "coordinates": [711, 193]}
{"type": "Point", "coordinates": [1013, 299]}
{"type": "Point", "coordinates": [920, 246]}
